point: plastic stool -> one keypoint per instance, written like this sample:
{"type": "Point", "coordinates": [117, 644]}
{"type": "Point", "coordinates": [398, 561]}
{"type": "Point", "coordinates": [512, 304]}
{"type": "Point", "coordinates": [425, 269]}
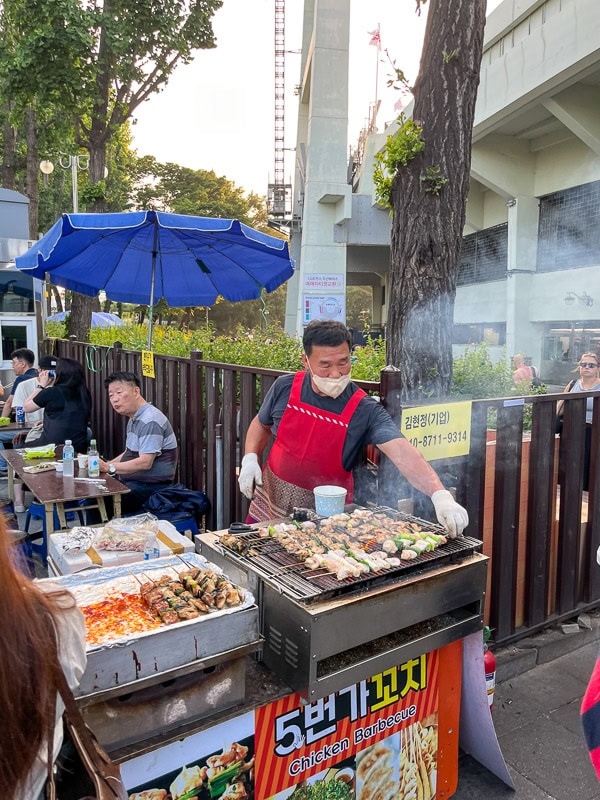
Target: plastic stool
{"type": "Point", "coordinates": [38, 511]}
{"type": "Point", "coordinates": [186, 524]}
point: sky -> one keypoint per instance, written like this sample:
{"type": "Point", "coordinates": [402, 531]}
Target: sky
{"type": "Point", "coordinates": [217, 112]}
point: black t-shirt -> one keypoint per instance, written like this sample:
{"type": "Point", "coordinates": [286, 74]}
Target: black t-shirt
{"type": "Point", "coordinates": [65, 417]}
{"type": "Point", "coordinates": [370, 424]}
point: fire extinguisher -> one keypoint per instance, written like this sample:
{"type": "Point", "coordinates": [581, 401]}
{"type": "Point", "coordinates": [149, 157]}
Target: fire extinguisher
{"type": "Point", "coordinates": [489, 665]}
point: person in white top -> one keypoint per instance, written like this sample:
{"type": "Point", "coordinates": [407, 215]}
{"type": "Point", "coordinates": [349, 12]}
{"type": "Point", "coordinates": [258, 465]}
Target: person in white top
{"type": "Point", "coordinates": [42, 631]}
{"type": "Point", "coordinates": [588, 381]}
{"type": "Point", "coordinates": [23, 391]}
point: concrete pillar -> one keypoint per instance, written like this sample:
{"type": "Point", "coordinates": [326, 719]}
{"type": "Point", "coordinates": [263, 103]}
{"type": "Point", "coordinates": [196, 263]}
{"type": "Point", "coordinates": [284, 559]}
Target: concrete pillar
{"type": "Point", "coordinates": [523, 214]}
{"type": "Point", "coordinates": [322, 194]}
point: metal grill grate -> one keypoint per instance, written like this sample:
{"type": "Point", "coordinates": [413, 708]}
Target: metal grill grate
{"type": "Point", "coordinates": [271, 561]}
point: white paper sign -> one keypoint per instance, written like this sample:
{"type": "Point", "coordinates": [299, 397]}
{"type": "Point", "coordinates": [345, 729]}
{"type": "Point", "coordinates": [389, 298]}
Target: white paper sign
{"type": "Point", "coordinates": [324, 282]}
{"type": "Point", "coordinates": [324, 306]}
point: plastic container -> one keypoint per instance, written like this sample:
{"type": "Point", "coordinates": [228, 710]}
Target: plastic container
{"type": "Point", "coordinates": [68, 460]}
{"type": "Point", "coordinates": [329, 500]}
{"type": "Point", "coordinates": [93, 464]}
{"type": "Point", "coordinates": [151, 549]}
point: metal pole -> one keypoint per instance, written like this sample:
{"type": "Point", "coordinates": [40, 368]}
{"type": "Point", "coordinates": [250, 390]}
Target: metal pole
{"type": "Point", "coordinates": [152, 277]}
{"type": "Point", "coordinates": [219, 467]}
{"type": "Point", "coordinates": [74, 163]}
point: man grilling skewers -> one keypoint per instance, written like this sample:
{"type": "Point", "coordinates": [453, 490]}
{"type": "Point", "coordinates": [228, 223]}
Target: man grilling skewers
{"type": "Point", "coordinates": [320, 421]}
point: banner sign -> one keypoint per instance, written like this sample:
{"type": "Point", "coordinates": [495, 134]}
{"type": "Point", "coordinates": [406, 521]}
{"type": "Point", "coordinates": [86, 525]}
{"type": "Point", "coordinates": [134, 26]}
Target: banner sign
{"type": "Point", "coordinates": [375, 739]}
{"type": "Point", "coordinates": [439, 431]}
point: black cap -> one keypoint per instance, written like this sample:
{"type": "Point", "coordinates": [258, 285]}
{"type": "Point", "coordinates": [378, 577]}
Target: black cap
{"type": "Point", "coordinates": [47, 362]}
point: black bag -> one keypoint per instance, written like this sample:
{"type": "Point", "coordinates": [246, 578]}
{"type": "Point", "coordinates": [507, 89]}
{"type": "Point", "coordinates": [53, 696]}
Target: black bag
{"type": "Point", "coordinates": [536, 381]}
{"type": "Point", "coordinates": [177, 503]}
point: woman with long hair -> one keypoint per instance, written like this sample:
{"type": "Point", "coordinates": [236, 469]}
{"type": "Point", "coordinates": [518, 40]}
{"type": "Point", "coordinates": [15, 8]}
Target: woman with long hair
{"type": "Point", "coordinates": [42, 631]}
{"type": "Point", "coordinates": [67, 403]}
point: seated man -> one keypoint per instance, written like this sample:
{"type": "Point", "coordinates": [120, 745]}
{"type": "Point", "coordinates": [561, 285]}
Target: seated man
{"type": "Point", "coordinates": [24, 384]}
{"type": "Point", "coordinates": [149, 460]}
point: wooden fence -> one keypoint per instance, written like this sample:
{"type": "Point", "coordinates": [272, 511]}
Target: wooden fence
{"type": "Point", "coordinates": [523, 490]}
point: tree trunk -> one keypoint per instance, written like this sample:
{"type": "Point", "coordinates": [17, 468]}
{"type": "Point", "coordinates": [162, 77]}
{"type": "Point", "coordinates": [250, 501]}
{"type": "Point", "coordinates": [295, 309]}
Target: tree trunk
{"type": "Point", "coordinates": [429, 214]}
{"type": "Point", "coordinates": [9, 152]}
{"type": "Point", "coordinates": [33, 192]}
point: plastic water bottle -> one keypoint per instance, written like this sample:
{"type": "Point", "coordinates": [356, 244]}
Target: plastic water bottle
{"type": "Point", "coordinates": [68, 460]}
{"type": "Point", "coordinates": [151, 549]}
{"type": "Point", "coordinates": [93, 460]}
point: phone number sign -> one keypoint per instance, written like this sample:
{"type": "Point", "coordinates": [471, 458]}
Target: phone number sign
{"type": "Point", "coordinates": [440, 431]}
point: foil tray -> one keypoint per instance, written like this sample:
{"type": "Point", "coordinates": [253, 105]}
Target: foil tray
{"type": "Point", "coordinates": [150, 655]}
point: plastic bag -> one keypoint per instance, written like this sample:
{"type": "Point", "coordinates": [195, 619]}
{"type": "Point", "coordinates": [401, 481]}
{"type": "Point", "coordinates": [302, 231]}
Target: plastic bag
{"type": "Point", "coordinates": [126, 533]}
{"type": "Point", "coordinates": [43, 451]}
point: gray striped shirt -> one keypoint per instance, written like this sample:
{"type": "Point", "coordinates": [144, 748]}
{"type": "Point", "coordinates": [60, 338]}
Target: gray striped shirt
{"type": "Point", "coordinates": [151, 432]}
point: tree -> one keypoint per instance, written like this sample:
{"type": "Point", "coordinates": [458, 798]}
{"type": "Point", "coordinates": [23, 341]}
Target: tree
{"type": "Point", "coordinates": [428, 198]}
{"type": "Point", "coordinates": [202, 193]}
{"type": "Point", "coordinates": [137, 46]}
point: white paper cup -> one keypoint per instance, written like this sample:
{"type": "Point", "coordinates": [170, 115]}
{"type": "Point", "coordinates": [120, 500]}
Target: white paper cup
{"type": "Point", "coordinates": [329, 500]}
{"type": "Point", "coordinates": [59, 466]}
{"type": "Point", "coordinates": [82, 461]}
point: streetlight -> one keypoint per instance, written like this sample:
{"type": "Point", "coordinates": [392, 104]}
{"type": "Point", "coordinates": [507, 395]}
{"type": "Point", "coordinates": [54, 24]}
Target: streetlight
{"type": "Point", "coordinates": [74, 163]}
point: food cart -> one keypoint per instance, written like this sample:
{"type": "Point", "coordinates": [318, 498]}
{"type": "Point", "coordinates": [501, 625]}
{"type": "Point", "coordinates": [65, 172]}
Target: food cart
{"type": "Point", "coordinates": [357, 695]}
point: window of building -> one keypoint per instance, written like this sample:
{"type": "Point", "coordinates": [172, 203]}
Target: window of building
{"type": "Point", "coordinates": [569, 228]}
{"type": "Point", "coordinates": [483, 256]}
{"type": "Point", "coordinates": [566, 342]}
{"type": "Point", "coordinates": [489, 333]}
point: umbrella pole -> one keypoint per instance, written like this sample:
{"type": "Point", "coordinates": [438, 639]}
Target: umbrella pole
{"type": "Point", "coordinates": [152, 276]}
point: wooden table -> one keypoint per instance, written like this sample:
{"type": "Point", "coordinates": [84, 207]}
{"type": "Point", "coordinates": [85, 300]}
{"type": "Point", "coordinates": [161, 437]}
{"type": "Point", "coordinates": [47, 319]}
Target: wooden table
{"type": "Point", "coordinates": [17, 427]}
{"type": "Point", "coordinates": [52, 489]}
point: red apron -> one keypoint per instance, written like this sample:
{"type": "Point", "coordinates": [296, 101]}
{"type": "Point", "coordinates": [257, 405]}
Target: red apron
{"type": "Point", "coordinates": [306, 453]}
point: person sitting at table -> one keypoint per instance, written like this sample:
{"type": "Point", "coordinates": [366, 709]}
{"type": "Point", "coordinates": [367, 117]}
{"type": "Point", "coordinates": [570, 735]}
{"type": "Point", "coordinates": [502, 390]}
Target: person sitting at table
{"type": "Point", "coordinates": [42, 631]}
{"type": "Point", "coordinates": [67, 403]}
{"type": "Point", "coordinates": [149, 461]}
{"type": "Point", "coordinates": [33, 418]}
{"type": "Point", "coordinates": [22, 364]}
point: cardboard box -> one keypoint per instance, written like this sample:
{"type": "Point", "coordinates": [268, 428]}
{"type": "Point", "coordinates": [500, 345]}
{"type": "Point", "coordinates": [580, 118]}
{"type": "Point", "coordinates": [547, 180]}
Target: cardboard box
{"type": "Point", "coordinates": [170, 542]}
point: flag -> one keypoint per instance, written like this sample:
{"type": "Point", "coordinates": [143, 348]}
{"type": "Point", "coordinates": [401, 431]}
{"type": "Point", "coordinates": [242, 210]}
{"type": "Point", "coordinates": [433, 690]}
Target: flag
{"type": "Point", "coordinates": [375, 39]}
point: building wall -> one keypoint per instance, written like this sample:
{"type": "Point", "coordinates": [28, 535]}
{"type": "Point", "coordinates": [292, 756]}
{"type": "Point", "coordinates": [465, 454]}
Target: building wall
{"type": "Point", "coordinates": [536, 132]}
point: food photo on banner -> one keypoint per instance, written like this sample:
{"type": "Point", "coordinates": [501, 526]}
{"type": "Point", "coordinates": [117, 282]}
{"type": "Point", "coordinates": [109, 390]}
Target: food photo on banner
{"type": "Point", "coordinates": [204, 774]}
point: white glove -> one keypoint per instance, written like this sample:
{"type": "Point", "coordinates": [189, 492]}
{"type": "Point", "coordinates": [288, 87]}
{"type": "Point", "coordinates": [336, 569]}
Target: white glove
{"type": "Point", "coordinates": [250, 474]}
{"type": "Point", "coordinates": [452, 516]}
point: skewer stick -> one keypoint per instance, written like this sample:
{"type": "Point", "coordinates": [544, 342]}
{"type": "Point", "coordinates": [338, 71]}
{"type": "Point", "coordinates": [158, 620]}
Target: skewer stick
{"type": "Point", "coordinates": [131, 572]}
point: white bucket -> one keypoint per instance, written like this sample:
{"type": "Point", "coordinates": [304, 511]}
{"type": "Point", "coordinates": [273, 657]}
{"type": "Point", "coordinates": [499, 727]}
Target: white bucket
{"type": "Point", "coordinates": [329, 500]}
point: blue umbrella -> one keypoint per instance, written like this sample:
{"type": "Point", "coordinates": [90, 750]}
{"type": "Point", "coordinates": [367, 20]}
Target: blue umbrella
{"type": "Point", "coordinates": [100, 319]}
{"type": "Point", "coordinates": [141, 256]}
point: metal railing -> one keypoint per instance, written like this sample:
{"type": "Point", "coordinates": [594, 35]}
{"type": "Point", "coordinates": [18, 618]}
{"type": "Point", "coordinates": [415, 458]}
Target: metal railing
{"type": "Point", "coordinates": [522, 489]}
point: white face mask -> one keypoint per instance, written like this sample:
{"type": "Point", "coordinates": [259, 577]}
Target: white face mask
{"type": "Point", "coordinates": [332, 387]}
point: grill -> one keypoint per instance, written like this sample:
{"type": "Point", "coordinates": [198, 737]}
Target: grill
{"type": "Point", "coordinates": [322, 635]}
{"type": "Point", "coordinates": [269, 559]}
